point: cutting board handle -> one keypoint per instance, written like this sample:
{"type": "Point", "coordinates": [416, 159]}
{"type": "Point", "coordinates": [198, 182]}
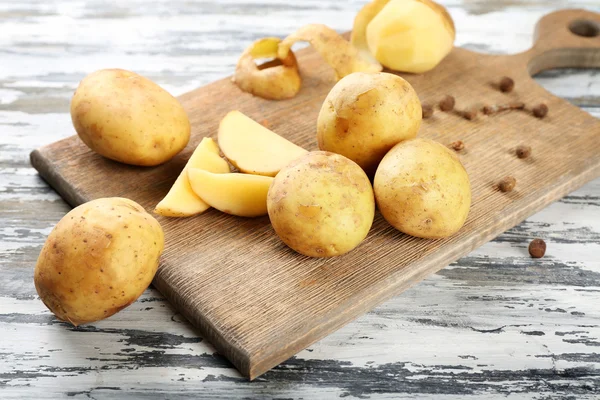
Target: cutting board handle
{"type": "Point", "coordinates": [566, 39]}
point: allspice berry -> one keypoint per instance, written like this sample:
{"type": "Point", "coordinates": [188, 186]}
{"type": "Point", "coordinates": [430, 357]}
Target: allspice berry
{"type": "Point", "coordinates": [427, 110]}
{"type": "Point", "coordinates": [458, 145]}
{"type": "Point", "coordinates": [507, 184]}
{"type": "Point", "coordinates": [523, 151]}
{"type": "Point", "coordinates": [447, 103]}
{"type": "Point", "coordinates": [540, 111]}
{"type": "Point", "coordinates": [537, 248]}
{"type": "Point", "coordinates": [506, 84]}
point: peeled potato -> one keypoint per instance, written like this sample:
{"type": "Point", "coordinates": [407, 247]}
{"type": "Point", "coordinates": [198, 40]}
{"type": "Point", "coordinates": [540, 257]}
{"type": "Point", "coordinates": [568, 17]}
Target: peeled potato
{"type": "Point", "coordinates": [181, 201]}
{"type": "Point", "coordinates": [237, 194]}
{"type": "Point", "coordinates": [422, 189]}
{"type": "Point", "coordinates": [340, 54]}
{"type": "Point", "coordinates": [252, 148]}
{"type": "Point", "coordinates": [405, 35]}
{"type": "Point", "coordinates": [277, 80]}
{"type": "Point", "coordinates": [98, 259]}
{"type": "Point", "coordinates": [366, 114]}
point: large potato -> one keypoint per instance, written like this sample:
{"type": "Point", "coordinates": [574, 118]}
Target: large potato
{"type": "Point", "coordinates": [422, 189]}
{"type": "Point", "coordinates": [366, 114]}
{"type": "Point", "coordinates": [98, 259]}
{"type": "Point", "coordinates": [128, 118]}
{"type": "Point", "coordinates": [321, 204]}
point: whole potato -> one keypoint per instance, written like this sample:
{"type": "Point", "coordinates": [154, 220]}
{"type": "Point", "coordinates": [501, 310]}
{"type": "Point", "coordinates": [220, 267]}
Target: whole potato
{"type": "Point", "coordinates": [98, 259]}
{"type": "Point", "coordinates": [128, 118]}
{"type": "Point", "coordinates": [321, 204]}
{"type": "Point", "coordinates": [422, 189]}
{"type": "Point", "coordinates": [366, 114]}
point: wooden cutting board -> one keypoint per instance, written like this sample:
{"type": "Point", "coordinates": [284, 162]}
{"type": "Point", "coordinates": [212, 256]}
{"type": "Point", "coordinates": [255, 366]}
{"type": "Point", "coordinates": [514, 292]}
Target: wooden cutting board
{"type": "Point", "coordinates": [259, 302]}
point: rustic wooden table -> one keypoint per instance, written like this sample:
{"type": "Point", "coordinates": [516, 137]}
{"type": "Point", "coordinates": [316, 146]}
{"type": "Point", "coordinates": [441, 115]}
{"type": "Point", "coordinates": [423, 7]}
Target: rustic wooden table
{"type": "Point", "coordinates": [494, 324]}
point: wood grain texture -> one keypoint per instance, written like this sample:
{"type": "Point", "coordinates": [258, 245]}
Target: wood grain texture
{"type": "Point", "coordinates": [494, 324]}
{"type": "Point", "coordinates": [260, 303]}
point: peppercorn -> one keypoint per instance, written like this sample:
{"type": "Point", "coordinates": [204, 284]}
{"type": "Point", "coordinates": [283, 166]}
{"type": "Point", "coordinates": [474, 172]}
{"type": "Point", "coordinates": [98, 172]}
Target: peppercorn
{"type": "Point", "coordinates": [507, 184]}
{"type": "Point", "coordinates": [506, 84]}
{"type": "Point", "coordinates": [523, 151]}
{"type": "Point", "coordinates": [458, 145]}
{"type": "Point", "coordinates": [540, 110]}
{"type": "Point", "coordinates": [537, 248]}
{"type": "Point", "coordinates": [427, 110]}
{"type": "Point", "coordinates": [469, 113]}
{"type": "Point", "coordinates": [447, 103]}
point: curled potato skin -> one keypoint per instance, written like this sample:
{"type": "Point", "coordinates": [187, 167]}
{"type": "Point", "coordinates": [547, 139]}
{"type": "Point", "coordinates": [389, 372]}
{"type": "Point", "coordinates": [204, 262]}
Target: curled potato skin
{"type": "Point", "coordinates": [340, 54]}
{"type": "Point", "coordinates": [273, 82]}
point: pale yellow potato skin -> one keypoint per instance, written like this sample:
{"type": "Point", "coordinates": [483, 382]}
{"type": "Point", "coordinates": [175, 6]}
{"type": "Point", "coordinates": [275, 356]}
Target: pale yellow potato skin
{"type": "Point", "coordinates": [128, 118]}
{"type": "Point", "coordinates": [321, 205]}
{"type": "Point", "coordinates": [98, 259]}
{"type": "Point", "coordinates": [422, 189]}
{"type": "Point", "coordinates": [366, 114]}
{"type": "Point", "coordinates": [181, 201]}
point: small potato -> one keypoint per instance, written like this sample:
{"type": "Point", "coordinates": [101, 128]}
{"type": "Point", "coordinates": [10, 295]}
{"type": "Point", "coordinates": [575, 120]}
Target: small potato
{"type": "Point", "coordinates": [321, 204]}
{"type": "Point", "coordinates": [366, 114]}
{"type": "Point", "coordinates": [128, 118]}
{"type": "Point", "coordinates": [98, 259]}
{"type": "Point", "coordinates": [422, 189]}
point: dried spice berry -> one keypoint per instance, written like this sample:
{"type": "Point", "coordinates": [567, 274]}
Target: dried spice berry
{"type": "Point", "coordinates": [489, 110]}
{"type": "Point", "coordinates": [458, 145]}
{"type": "Point", "coordinates": [507, 184]}
{"type": "Point", "coordinates": [506, 84]}
{"type": "Point", "coordinates": [523, 151]}
{"type": "Point", "coordinates": [469, 113]}
{"type": "Point", "coordinates": [537, 248]}
{"type": "Point", "coordinates": [447, 103]}
{"type": "Point", "coordinates": [427, 110]}
{"type": "Point", "coordinates": [540, 111]}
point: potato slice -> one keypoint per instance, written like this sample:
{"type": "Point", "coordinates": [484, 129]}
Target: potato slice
{"type": "Point", "coordinates": [237, 194]}
{"type": "Point", "coordinates": [254, 149]}
{"type": "Point", "coordinates": [181, 201]}
{"type": "Point", "coordinates": [340, 54]}
{"type": "Point", "coordinates": [275, 80]}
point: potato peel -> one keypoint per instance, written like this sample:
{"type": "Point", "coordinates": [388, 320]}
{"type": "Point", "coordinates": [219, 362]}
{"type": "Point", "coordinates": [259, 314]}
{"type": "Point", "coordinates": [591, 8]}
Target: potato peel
{"type": "Point", "coordinates": [275, 80]}
{"type": "Point", "coordinates": [358, 38]}
{"type": "Point", "coordinates": [340, 54]}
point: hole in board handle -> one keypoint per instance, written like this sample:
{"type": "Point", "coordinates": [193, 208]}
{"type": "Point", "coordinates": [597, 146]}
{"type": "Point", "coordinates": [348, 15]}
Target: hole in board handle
{"type": "Point", "coordinates": [585, 28]}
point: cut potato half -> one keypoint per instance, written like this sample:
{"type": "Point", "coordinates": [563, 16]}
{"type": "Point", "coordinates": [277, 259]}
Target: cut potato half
{"type": "Point", "coordinates": [254, 149]}
{"type": "Point", "coordinates": [236, 194]}
{"type": "Point", "coordinates": [181, 201]}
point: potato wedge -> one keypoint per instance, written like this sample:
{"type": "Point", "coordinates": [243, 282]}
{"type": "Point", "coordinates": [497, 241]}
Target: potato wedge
{"type": "Point", "coordinates": [236, 194]}
{"type": "Point", "coordinates": [254, 149]}
{"type": "Point", "coordinates": [276, 80]}
{"type": "Point", "coordinates": [340, 54]}
{"type": "Point", "coordinates": [181, 201]}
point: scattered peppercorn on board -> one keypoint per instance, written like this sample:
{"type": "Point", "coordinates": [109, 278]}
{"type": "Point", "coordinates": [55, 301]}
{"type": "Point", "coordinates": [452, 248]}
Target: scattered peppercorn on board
{"type": "Point", "coordinates": [257, 301]}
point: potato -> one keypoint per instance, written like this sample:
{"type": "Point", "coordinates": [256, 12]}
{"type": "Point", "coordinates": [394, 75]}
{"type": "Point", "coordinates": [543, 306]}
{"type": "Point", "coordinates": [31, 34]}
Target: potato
{"type": "Point", "coordinates": [98, 259]}
{"type": "Point", "coordinates": [321, 205]}
{"type": "Point", "coordinates": [405, 35]}
{"type": "Point", "coordinates": [181, 201]}
{"type": "Point", "coordinates": [128, 118]}
{"type": "Point", "coordinates": [422, 189]}
{"type": "Point", "coordinates": [236, 194]}
{"type": "Point", "coordinates": [340, 54]}
{"type": "Point", "coordinates": [365, 115]}
{"type": "Point", "coordinates": [252, 148]}
{"type": "Point", "coordinates": [277, 80]}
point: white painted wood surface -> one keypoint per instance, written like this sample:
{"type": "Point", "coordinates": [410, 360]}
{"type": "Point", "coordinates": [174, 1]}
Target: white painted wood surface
{"type": "Point", "coordinates": [494, 324]}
